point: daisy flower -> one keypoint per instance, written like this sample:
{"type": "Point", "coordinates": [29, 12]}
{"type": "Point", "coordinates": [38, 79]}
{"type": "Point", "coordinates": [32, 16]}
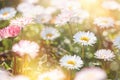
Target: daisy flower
{"type": "Point", "coordinates": [7, 13]}
{"type": "Point", "coordinates": [71, 62]}
{"type": "Point", "coordinates": [10, 31]}
{"type": "Point", "coordinates": [58, 4]}
{"type": "Point", "coordinates": [63, 18]}
{"type": "Point", "coordinates": [24, 7]}
{"type": "Point", "coordinates": [49, 75]}
{"type": "Point", "coordinates": [79, 16]}
{"type": "Point", "coordinates": [90, 74]}
{"type": "Point", "coordinates": [20, 77]}
{"type": "Point", "coordinates": [26, 47]}
{"type": "Point", "coordinates": [33, 11]}
{"type": "Point", "coordinates": [71, 5]}
{"type": "Point", "coordinates": [50, 10]}
{"type": "Point", "coordinates": [66, 4]}
{"type": "Point", "coordinates": [106, 55]}
{"type": "Point", "coordinates": [4, 75]}
{"type": "Point", "coordinates": [49, 33]}
{"type": "Point", "coordinates": [74, 16]}
{"type": "Point", "coordinates": [104, 22]}
{"type": "Point", "coordinates": [85, 38]}
{"type": "Point", "coordinates": [30, 10]}
{"type": "Point", "coordinates": [116, 42]}
{"type": "Point", "coordinates": [43, 18]}
{"type": "Point", "coordinates": [110, 5]}
{"type": "Point", "coordinates": [22, 21]}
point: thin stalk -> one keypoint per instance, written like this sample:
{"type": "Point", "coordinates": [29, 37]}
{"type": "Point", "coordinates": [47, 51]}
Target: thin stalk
{"type": "Point", "coordinates": [14, 66]}
{"type": "Point", "coordinates": [99, 31]}
{"type": "Point", "coordinates": [71, 30]}
{"type": "Point", "coordinates": [69, 75]}
{"type": "Point", "coordinates": [83, 52]}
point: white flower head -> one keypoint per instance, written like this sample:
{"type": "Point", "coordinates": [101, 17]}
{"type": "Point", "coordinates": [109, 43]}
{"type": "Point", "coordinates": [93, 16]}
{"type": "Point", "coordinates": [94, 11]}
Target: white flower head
{"type": "Point", "coordinates": [104, 22]}
{"type": "Point", "coordinates": [26, 47]}
{"type": "Point", "coordinates": [79, 16]}
{"type": "Point", "coordinates": [50, 10]}
{"type": "Point", "coordinates": [110, 5]}
{"type": "Point", "coordinates": [63, 18]}
{"type": "Point", "coordinates": [91, 73]}
{"type": "Point", "coordinates": [7, 13]}
{"type": "Point", "coordinates": [52, 75]}
{"type": "Point", "coordinates": [33, 11]}
{"type": "Point", "coordinates": [71, 5]}
{"type": "Point", "coordinates": [22, 21]}
{"type": "Point", "coordinates": [4, 75]}
{"type": "Point", "coordinates": [57, 4]}
{"type": "Point", "coordinates": [85, 38]}
{"type": "Point", "coordinates": [71, 62]}
{"type": "Point", "coordinates": [20, 77]}
{"type": "Point", "coordinates": [66, 4]}
{"type": "Point", "coordinates": [43, 18]}
{"type": "Point", "coordinates": [106, 55]}
{"type": "Point", "coordinates": [116, 42]}
{"type": "Point", "coordinates": [49, 33]}
{"type": "Point", "coordinates": [24, 7]}
{"type": "Point", "coordinates": [30, 10]}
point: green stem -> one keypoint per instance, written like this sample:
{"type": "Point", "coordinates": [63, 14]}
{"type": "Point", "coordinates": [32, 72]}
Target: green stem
{"type": "Point", "coordinates": [69, 75]}
{"type": "Point", "coordinates": [14, 66]}
{"type": "Point", "coordinates": [99, 31]}
{"type": "Point", "coordinates": [83, 55]}
{"type": "Point", "coordinates": [71, 32]}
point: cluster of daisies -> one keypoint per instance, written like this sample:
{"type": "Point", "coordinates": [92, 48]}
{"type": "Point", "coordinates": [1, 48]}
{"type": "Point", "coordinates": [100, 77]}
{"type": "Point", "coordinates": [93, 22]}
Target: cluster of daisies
{"type": "Point", "coordinates": [57, 74]}
{"type": "Point", "coordinates": [60, 14]}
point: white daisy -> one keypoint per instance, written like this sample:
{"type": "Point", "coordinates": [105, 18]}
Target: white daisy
{"type": "Point", "coordinates": [116, 42]}
{"type": "Point", "coordinates": [52, 75]}
{"type": "Point", "coordinates": [30, 10]}
{"type": "Point", "coordinates": [91, 73]}
{"type": "Point", "coordinates": [79, 16]}
{"type": "Point", "coordinates": [22, 21]}
{"type": "Point", "coordinates": [20, 77]}
{"type": "Point", "coordinates": [74, 16]}
{"type": "Point", "coordinates": [66, 4]}
{"type": "Point", "coordinates": [24, 7]}
{"type": "Point", "coordinates": [58, 4]}
{"type": "Point", "coordinates": [106, 55]}
{"type": "Point", "coordinates": [63, 18]}
{"type": "Point", "coordinates": [4, 75]}
{"type": "Point", "coordinates": [26, 47]}
{"type": "Point", "coordinates": [33, 11]}
{"type": "Point", "coordinates": [71, 62]}
{"type": "Point", "coordinates": [104, 22]}
{"type": "Point", "coordinates": [85, 38]}
{"type": "Point", "coordinates": [71, 5]}
{"type": "Point", "coordinates": [110, 5]}
{"type": "Point", "coordinates": [43, 18]}
{"type": "Point", "coordinates": [49, 33]}
{"type": "Point", "coordinates": [7, 13]}
{"type": "Point", "coordinates": [50, 10]}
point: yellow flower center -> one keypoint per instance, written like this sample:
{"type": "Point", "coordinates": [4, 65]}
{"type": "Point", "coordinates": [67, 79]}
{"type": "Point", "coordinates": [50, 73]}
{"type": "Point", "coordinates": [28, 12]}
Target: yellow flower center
{"type": "Point", "coordinates": [104, 21]}
{"type": "Point", "coordinates": [71, 62]}
{"type": "Point", "coordinates": [5, 13]}
{"type": "Point", "coordinates": [49, 35]}
{"type": "Point", "coordinates": [84, 39]}
{"type": "Point", "coordinates": [103, 56]}
{"type": "Point", "coordinates": [46, 78]}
